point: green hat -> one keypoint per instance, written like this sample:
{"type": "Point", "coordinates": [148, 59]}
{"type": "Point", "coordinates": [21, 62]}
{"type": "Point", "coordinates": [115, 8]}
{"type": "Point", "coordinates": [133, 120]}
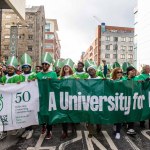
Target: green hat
{"type": "Point", "coordinates": [115, 65]}
{"type": "Point", "coordinates": [68, 62]}
{"type": "Point", "coordinates": [92, 66]}
{"type": "Point", "coordinates": [58, 63]}
{"type": "Point", "coordinates": [26, 60]}
{"type": "Point", "coordinates": [88, 63]}
{"type": "Point", "coordinates": [125, 65]}
{"type": "Point", "coordinates": [12, 61]}
{"type": "Point", "coordinates": [47, 58]}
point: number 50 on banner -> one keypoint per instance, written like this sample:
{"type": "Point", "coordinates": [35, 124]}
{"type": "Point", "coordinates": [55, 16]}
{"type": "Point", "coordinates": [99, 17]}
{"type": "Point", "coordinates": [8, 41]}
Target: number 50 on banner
{"type": "Point", "coordinates": [23, 96]}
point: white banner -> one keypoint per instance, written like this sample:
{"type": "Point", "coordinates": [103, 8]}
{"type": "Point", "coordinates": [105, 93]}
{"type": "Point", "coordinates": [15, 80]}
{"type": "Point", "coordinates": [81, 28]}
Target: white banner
{"type": "Point", "coordinates": [19, 105]}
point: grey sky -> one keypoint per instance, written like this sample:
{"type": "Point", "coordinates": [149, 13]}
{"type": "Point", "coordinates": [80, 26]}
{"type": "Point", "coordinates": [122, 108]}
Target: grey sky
{"type": "Point", "coordinates": [77, 26]}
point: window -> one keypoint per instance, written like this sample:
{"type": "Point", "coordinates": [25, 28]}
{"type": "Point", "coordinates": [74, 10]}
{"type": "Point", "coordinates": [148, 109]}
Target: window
{"type": "Point", "coordinates": [130, 56]}
{"type": "Point", "coordinates": [107, 38]}
{"type": "Point", "coordinates": [115, 39]}
{"type": "Point", "coordinates": [49, 46]}
{"type": "Point", "coordinates": [107, 55]}
{"type": "Point", "coordinates": [130, 48]}
{"type": "Point", "coordinates": [122, 56]}
{"type": "Point", "coordinates": [123, 48]}
{"type": "Point", "coordinates": [47, 27]}
{"type": "Point", "coordinates": [21, 36]}
{"type": "Point", "coordinates": [130, 39]}
{"type": "Point", "coordinates": [123, 39]}
{"type": "Point", "coordinates": [107, 47]}
{"type": "Point", "coordinates": [114, 56]}
{"type": "Point", "coordinates": [30, 37]}
{"type": "Point", "coordinates": [6, 47]}
{"type": "Point", "coordinates": [7, 36]}
{"type": "Point", "coordinates": [115, 47]}
{"type": "Point", "coordinates": [49, 36]}
{"type": "Point", "coordinates": [30, 48]}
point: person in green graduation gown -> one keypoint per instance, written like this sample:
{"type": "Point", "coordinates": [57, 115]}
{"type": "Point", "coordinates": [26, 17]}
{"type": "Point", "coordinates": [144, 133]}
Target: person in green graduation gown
{"type": "Point", "coordinates": [67, 73]}
{"type": "Point", "coordinates": [80, 72]}
{"type": "Point", "coordinates": [131, 75]}
{"type": "Point", "coordinates": [46, 73]}
{"type": "Point", "coordinates": [11, 77]}
{"type": "Point", "coordinates": [92, 75]}
{"type": "Point", "coordinates": [27, 75]}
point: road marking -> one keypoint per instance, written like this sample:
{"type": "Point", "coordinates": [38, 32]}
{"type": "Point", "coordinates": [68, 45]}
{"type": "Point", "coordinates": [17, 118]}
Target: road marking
{"type": "Point", "coordinates": [88, 141]}
{"type": "Point", "coordinates": [145, 134]}
{"type": "Point", "coordinates": [95, 141]}
{"type": "Point", "coordinates": [131, 143]}
{"type": "Point", "coordinates": [79, 137]}
{"type": "Point", "coordinates": [39, 143]}
{"type": "Point", "coordinates": [109, 140]}
{"type": "Point", "coordinates": [42, 148]}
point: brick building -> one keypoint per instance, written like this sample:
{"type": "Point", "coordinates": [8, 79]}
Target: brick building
{"type": "Point", "coordinates": [113, 44]}
{"type": "Point", "coordinates": [30, 33]}
{"type": "Point", "coordinates": [52, 43]}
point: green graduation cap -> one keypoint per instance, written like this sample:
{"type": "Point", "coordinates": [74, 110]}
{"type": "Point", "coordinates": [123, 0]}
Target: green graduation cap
{"type": "Point", "coordinates": [47, 58]}
{"type": "Point", "coordinates": [26, 60]}
{"type": "Point", "coordinates": [115, 65]}
{"type": "Point", "coordinates": [68, 62]}
{"type": "Point", "coordinates": [88, 63]}
{"type": "Point", "coordinates": [12, 61]}
{"type": "Point", "coordinates": [58, 63]}
{"type": "Point", "coordinates": [125, 65]}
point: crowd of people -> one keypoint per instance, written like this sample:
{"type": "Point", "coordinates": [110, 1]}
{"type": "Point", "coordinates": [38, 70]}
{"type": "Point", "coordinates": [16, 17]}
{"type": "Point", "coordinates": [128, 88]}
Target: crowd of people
{"type": "Point", "coordinates": [11, 72]}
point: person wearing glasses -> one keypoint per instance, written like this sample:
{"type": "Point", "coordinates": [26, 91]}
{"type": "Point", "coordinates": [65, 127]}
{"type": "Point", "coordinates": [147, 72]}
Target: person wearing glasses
{"type": "Point", "coordinates": [46, 74]}
{"type": "Point", "coordinates": [117, 75]}
{"type": "Point", "coordinates": [27, 76]}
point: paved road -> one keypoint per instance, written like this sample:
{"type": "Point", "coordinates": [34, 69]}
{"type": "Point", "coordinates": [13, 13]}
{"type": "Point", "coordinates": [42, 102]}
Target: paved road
{"type": "Point", "coordinates": [80, 141]}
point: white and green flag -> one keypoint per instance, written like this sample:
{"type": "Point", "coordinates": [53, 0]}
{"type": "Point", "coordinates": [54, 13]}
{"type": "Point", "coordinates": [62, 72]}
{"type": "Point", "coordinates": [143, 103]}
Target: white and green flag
{"type": "Point", "coordinates": [19, 104]}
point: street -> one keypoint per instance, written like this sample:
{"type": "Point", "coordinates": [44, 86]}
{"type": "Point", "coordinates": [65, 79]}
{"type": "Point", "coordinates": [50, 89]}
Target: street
{"type": "Point", "coordinates": [80, 141]}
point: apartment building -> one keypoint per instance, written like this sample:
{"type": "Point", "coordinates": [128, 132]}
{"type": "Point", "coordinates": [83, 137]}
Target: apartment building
{"type": "Point", "coordinates": [30, 33]}
{"type": "Point", "coordinates": [113, 44]}
{"type": "Point", "coordinates": [52, 42]}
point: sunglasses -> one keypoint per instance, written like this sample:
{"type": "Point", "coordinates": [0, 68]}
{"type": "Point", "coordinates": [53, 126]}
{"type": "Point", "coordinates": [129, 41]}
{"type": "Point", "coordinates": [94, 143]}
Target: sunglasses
{"type": "Point", "coordinates": [119, 72]}
{"type": "Point", "coordinates": [45, 64]}
{"type": "Point", "coordinates": [25, 67]}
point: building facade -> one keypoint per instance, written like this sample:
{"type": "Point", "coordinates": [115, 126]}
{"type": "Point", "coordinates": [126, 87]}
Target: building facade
{"type": "Point", "coordinates": [30, 33]}
{"type": "Point", "coordinates": [113, 44]}
{"type": "Point", "coordinates": [52, 43]}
